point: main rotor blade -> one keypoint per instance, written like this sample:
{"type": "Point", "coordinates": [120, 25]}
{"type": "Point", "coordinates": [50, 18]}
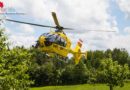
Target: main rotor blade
{"type": "Point", "coordinates": [67, 29]}
{"type": "Point", "coordinates": [30, 23]}
{"type": "Point", "coordinates": [101, 30]}
{"type": "Point", "coordinates": [55, 19]}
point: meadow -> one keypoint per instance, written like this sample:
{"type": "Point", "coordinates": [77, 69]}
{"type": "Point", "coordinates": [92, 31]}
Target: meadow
{"type": "Point", "coordinates": [82, 87]}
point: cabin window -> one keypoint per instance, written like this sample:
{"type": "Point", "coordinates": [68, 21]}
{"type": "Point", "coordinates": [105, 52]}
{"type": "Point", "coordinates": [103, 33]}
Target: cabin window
{"type": "Point", "coordinates": [50, 37]}
{"type": "Point", "coordinates": [60, 41]}
{"type": "Point", "coordinates": [54, 38]}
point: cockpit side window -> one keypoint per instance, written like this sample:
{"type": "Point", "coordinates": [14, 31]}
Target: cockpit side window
{"type": "Point", "coordinates": [58, 38]}
{"type": "Point", "coordinates": [60, 41]}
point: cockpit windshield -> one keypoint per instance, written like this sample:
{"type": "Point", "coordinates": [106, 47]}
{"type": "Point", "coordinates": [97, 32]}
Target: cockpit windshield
{"type": "Point", "coordinates": [54, 38]}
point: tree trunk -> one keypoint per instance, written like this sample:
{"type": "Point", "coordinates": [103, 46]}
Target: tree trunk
{"type": "Point", "coordinates": [111, 87]}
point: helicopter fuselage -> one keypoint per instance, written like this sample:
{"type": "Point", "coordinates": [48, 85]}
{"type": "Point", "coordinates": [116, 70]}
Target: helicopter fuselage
{"type": "Point", "coordinates": [54, 42]}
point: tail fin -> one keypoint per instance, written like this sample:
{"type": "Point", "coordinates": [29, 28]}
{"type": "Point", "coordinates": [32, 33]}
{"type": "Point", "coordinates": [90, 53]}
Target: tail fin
{"type": "Point", "coordinates": [77, 54]}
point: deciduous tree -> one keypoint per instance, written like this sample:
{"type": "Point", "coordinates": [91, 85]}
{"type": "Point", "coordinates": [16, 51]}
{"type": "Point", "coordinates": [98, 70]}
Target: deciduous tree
{"type": "Point", "coordinates": [13, 66]}
{"type": "Point", "coordinates": [113, 73]}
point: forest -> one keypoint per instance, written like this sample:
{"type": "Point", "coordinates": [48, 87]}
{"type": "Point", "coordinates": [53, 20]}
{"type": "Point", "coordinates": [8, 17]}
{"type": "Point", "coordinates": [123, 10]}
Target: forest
{"type": "Point", "coordinates": [21, 68]}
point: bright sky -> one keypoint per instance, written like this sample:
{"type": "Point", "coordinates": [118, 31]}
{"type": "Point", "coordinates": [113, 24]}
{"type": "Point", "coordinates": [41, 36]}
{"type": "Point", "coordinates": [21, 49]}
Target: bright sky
{"type": "Point", "coordinates": [82, 15]}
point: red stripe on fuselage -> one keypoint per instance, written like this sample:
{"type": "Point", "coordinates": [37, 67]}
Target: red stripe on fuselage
{"type": "Point", "coordinates": [81, 40]}
{"type": "Point", "coordinates": [80, 44]}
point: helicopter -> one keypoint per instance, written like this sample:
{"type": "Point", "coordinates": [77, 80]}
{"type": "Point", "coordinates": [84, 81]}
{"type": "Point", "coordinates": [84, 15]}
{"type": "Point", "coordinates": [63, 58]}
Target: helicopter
{"type": "Point", "coordinates": [57, 42]}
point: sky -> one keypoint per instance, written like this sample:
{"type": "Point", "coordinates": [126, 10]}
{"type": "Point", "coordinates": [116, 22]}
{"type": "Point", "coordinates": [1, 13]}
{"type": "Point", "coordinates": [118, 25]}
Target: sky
{"type": "Point", "coordinates": [81, 15]}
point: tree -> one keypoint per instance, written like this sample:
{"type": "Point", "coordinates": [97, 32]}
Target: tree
{"type": "Point", "coordinates": [128, 61]}
{"type": "Point", "coordinates": [113, 74]}
{"type": "Point", "coordinates": [94, 58]}
{"type": "Point", "coordinates": [45, 70]}
{"type": "Point", "coordinates": [75, 74]}
{"type": "Point", "coordinates": [120, 55]}
{"type": "Point", "coordinates": [80, 73]}
{"type": "Point", "coordinates": [13, 66]}
{"type": "Point", "coordinates": [108, 52]}
{"type": "Point", "coordinates": [67, 75]}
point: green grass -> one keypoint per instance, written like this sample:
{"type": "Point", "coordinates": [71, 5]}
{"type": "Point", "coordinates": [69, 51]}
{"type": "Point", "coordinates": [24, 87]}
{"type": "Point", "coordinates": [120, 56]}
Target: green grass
{"type": "Point", "coordinates": [82, 87]}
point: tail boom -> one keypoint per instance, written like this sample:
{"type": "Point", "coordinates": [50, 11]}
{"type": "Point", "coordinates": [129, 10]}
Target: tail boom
{"type": "Point", "coordinates": [77, 52]}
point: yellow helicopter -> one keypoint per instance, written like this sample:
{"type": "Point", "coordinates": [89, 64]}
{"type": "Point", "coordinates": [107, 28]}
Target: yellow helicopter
{"type": "Point", "coordinates": [57, 42]}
